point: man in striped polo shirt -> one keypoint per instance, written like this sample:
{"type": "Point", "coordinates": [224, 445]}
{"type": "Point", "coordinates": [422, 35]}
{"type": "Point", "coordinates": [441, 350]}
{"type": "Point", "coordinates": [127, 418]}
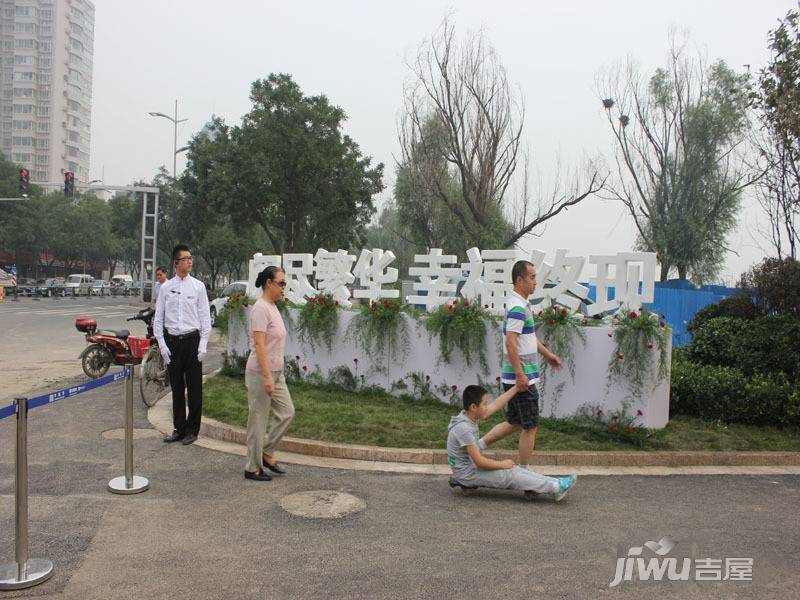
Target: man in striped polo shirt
{"type": "Point", "coordinates": [521, 351]}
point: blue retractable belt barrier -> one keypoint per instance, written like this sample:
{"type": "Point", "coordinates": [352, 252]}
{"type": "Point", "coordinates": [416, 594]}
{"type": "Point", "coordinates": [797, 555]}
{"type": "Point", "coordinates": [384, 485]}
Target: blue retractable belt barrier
{"type": "Point", "coordinates": [11, 409]}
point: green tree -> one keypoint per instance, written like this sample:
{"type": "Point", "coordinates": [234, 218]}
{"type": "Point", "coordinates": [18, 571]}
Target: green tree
{"type": "Point", "coordinates": [678, 172]}
{"type": "Point", "coordinates": [287, 168]}
{"type": "Point", "coordinates": [777, 98]}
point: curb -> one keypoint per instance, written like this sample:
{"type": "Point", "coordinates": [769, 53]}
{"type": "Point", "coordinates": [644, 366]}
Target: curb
{"type": "Point", "coordinates": [237, 435]}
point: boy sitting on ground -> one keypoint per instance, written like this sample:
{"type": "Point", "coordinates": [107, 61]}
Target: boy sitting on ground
{"type": "Point", "coordinates": [472, 469]}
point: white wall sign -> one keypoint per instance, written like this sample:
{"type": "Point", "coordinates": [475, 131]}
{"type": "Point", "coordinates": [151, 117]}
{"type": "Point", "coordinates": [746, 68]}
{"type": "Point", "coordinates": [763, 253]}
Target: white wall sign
{"type": "Point", "coordinates": [486, 277]}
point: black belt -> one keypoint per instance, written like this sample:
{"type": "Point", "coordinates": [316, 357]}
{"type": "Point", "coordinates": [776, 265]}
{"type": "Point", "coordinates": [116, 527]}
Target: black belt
{"type": "Point", "coordinates": [184, 336]}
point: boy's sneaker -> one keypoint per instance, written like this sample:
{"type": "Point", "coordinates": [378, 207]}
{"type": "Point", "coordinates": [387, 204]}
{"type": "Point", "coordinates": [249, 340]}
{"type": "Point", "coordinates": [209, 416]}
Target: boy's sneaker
{"type": "Point", "coordinates": [564, 484]}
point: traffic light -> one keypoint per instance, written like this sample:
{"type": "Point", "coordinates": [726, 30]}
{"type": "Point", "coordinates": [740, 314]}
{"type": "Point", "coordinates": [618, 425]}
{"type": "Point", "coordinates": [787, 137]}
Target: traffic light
{"type": "Point", "coordinates": [24, 182]}
{"type": "Point", "coordinates": [69, 184]}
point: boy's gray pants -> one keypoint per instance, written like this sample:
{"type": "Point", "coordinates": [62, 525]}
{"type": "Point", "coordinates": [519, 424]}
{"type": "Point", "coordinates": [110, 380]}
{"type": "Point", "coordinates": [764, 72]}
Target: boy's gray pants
{"type": "Point", "coordinates": [515, 478]}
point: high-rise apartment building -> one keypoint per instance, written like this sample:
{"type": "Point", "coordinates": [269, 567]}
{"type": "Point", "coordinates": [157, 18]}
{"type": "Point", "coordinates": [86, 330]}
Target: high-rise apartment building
{"type": "Point", "coordinates": [46, 47]}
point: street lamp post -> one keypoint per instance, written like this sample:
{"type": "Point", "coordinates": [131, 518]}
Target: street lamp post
{"type": "Point", "coordinates": [175, 149]}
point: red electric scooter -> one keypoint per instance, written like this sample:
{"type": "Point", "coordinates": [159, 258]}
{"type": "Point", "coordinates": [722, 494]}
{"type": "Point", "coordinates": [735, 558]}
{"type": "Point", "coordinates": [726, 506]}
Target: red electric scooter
{"type": "Point", "coordinates": [107, 347]}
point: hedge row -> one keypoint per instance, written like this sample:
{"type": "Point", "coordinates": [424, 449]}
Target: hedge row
{"type": "Point", "coordinates": [728, 394]}
{"type": "Point", "coordinates": [766, 345]}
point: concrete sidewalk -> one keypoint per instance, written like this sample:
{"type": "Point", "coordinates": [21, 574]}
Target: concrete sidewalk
{"type": "Point", "coordinates": [203, 532]}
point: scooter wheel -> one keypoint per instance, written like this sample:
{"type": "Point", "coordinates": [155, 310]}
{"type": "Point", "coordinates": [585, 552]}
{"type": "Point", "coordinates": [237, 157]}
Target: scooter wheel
{"type": "Point", "coordinates": [96, 361]}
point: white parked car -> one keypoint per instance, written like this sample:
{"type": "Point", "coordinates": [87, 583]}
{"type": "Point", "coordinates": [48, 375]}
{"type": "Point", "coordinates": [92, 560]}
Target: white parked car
{"type": "Point", "coordinates": [217, 305]}
{"type": "Point", "coordinates": [78, 284]}
{"type": "Point", "coordinates": [100, 288]}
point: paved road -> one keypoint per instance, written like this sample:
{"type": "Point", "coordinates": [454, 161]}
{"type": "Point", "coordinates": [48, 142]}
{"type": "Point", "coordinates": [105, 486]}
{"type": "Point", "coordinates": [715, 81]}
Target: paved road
{"type": "Point", "coordinates": [203, 532]}
{"type": "Point", "coordinates": [39, 343]}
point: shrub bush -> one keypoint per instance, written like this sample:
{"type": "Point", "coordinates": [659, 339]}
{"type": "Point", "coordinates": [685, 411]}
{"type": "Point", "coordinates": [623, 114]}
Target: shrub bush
{"type": "Point", "coordinates": [719, 341]}
{"type": "Point", "coordinates": [773, 345]}
{"type": "Point", "coordinates": [766, 345]}
{"type": "Point", "coordinates": [739, 306]}
{"type": "Point", "coordinates": [776, 285]}
{"type": "Point", "coordinates": [726, 394]}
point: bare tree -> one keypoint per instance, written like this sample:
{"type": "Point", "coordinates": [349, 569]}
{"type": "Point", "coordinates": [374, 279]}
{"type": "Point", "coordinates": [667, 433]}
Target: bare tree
{"type": "Point", "coordinates": [777, 140]}
{"type": "Point", "coordinates": [463, 88]}
{"type": "Point", "coordinates": [677, 168]}
{"type": "Point", "coordinates": [777, 164]}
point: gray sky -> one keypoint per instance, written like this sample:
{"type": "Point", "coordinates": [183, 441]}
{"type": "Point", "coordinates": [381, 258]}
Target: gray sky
{"type": "Point", "coordinates": [207, 53]}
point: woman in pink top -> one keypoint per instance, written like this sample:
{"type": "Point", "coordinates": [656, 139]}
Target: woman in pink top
{"type": "Point", "coordinates": [266, 385]}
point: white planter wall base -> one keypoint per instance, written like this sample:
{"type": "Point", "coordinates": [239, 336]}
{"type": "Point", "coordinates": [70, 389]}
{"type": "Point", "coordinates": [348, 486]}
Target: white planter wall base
{"type": "Point", "coordinates": [560, 394]}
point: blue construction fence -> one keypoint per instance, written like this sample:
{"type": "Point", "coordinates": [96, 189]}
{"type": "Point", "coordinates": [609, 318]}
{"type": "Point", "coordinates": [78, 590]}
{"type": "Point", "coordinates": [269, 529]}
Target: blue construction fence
{"type": "Point", "coordinates": [679, 300]}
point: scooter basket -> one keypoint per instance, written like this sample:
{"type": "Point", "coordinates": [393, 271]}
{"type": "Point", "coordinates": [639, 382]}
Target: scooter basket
{"type": "Point", "coordinates": [138, 346]}
{"type": "Point", "coordinates": [86, 325]}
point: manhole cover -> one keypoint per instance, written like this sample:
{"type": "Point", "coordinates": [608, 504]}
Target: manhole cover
{"type": "Point", "coordinates": [119, 434]}
{"type": "Point", "coordinates": [322, 504]}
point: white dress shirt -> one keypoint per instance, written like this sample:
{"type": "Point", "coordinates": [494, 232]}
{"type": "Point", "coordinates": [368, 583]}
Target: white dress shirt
{"type": "Point", "coordinates": [182, 307]}
{"type": "Point", "coordinates": [156, 287]}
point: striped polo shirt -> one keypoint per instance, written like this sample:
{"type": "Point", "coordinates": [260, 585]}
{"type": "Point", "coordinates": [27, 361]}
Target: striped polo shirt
{"type": "Point", "coordinates": [519, 319]}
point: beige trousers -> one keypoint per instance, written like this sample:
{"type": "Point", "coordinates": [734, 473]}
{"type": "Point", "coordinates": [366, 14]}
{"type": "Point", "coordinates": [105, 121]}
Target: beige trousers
{"type": "Point", "coordinates": [259, 441]}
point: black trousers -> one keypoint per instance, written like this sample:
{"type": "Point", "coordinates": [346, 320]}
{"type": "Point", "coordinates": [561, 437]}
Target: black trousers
{"type": "Point", "coordinates": [185, 373]}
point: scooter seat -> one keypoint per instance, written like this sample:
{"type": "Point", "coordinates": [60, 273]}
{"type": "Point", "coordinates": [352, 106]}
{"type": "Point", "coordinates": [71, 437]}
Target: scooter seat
{"type": "Point", "coordinates": [120, 333]}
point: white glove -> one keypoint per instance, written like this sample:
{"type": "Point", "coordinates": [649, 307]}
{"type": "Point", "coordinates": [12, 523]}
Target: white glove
{"type": "Point", "coordinates": [200, 356]}
{"type": "Point", "coordinates": [165, 354]}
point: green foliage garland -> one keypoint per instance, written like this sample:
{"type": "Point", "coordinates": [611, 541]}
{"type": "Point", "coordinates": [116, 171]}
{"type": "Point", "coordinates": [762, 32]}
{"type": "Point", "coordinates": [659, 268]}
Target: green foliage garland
{"type": "Point", "coordinates": [234, 307]}
{"type": "Point", "coordinates": [318, 321]}
{"type": "Point", "coordinates": [461, 325]}
{"type": "Point", "coordinates": [379, 327]}
{"type": "Point", "coordinates": [559, 330]}
{"type": "Point", "coordinates": [637, 335]}
{"type": "Point", "coordinates": [283, 306]}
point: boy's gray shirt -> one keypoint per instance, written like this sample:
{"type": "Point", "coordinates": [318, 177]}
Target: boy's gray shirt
{"type": "Point", "coordinates": [462, 432]}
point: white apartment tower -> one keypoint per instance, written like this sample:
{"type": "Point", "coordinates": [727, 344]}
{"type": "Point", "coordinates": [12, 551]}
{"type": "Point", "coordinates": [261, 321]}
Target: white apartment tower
{"type": "Point", "coordinates": [46, 86]}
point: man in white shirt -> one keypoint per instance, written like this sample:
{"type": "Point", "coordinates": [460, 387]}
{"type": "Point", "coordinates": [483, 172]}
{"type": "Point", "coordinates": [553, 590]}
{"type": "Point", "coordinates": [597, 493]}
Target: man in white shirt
{"type": "Point", "coordinates": [182, 325]}
{"type": "Point", "coordinates": [161, 278]}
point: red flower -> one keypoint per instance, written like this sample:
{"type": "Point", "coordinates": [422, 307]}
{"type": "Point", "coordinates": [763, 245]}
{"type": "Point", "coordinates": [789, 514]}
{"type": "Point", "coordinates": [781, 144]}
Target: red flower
{"type": "Point", "coordinates": [497, 379]}
{"type": "Point", "coordinates": [454, 387]}
{"type": "Point", "coordinates": [586, 321]}
{"type": "Point", "coordinates": [633, 314]}
{"type": "Point", "coordinates": [297, 357]}
{"type": "Point", "coordinates": [244, 305]}
{"type": "Point", "coordinates": [466, 302]}
{"type": "Point", "coordinates": [450, 307]}
{"type": "Point", "coordinates": [610, 334]}
{"type": "Point", "coordinates": [337, 303]}
{"type": "Point", "coordinates": [613, 429]}
{"type": "Point", "coordinates": [650, 346]}
{"type": "Point", "coordinates": [485, 306]}
{"type": "Point", "coordinates": [564, 312]}
{"type": "Point", "coordinates": [355, 360]}
{"type": "Point", "coordinates": [662, 324]}
{"type": "Point", "coordinates": [552, 321]}
{"type": "Point", "coordinates": [639, 413]}
{"type": "Point", "coordinates": [620, 356]}
{"type": "Point", "coordinates": [629, 429]}
{"type": "Point", "coordinates": [305, 367]}
{"type": "Point", "coordinates": [427, 377]}
{"type": "Point", "coordinates": [372, 304]}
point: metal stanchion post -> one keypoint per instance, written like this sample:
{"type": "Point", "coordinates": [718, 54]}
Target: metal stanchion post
{"type": "Point", "coordinates": [25, 572]}
{"type": "Point", "coordinates": [128, 483]}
